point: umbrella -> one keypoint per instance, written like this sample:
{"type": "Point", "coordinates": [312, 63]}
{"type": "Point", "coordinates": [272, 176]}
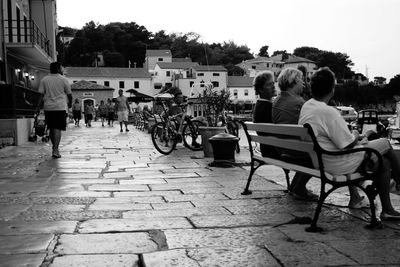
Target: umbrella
{"type": "Point", "coordinates": [136, 96]}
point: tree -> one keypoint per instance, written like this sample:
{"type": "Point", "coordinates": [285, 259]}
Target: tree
{"type": "Point", "coordinates": [379, 80]}
{"type": "Point", "coordinates": [264, 51]}
{"type": "Point", "coordinates": [339, 63]}
{"type": "Point", "coordinates": [284, 54]}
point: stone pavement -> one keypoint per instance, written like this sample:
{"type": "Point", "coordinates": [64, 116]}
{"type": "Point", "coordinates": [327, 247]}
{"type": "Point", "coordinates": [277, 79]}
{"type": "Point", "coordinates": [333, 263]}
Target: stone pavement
{"type": "Point", "coordinates": [113, 200]}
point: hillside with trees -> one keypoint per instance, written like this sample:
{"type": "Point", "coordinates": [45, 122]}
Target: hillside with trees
{"type": "Point", "coordinates": [121, 43]}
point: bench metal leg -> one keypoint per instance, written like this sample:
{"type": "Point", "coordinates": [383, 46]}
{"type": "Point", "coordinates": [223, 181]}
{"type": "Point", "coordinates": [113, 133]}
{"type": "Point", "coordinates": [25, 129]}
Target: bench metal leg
{"type": "Point", "coordinates": [252, 170]}
{"type": "Point", "coordinates": [286, 171]}
{"type": "Point", "coordinates": [322, 196]}
{"type": "Point", "coordinates": [375, 223]}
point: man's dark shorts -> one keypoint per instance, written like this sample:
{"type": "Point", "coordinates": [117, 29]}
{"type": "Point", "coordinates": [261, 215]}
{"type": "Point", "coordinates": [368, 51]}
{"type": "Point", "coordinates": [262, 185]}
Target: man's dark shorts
{"type": "Point", "coordinates": [56, 119]}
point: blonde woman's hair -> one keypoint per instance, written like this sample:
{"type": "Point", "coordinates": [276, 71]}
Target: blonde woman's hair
{"type": "Point", "coordinates": [288, 78]}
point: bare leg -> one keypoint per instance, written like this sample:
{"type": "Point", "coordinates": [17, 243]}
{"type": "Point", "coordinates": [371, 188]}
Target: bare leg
{"type": "Point", "coordinates": [126, 126]}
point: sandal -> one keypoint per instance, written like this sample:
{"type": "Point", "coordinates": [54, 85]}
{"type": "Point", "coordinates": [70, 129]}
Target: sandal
{"type": "Point", "coordinates": [390, 216]}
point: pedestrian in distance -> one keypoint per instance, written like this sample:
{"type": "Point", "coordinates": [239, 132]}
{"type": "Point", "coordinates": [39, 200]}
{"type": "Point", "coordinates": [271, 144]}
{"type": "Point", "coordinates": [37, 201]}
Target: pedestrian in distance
{"type": "Point", "coordinates": [110, 112]}
{"type": "Point", "coordinates": [77, 112]}
{"type": "Point", "coordinates": [332, 134]}
{"type": "Point", "coordinates": [123, 110]}
{"type": "Point", "coordinates": [89, 113]}
{"type": "Point", "coordinates": [102, 112]}
{"type": "Point", "coordinates": [57, 99]}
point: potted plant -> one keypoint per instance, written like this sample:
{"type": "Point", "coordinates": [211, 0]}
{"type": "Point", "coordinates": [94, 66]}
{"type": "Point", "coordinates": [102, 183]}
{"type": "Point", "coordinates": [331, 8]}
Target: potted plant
{"type": "Point", "coordinates": [216, 102]}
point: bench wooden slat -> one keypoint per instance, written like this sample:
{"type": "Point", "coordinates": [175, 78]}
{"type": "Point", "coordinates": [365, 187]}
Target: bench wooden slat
{"type": "Point", "coordinates": [279, 129]}
{"type": "Point", "coordinates": [289, 166]}
{"type": "Point", "coordinates": [291, 144]}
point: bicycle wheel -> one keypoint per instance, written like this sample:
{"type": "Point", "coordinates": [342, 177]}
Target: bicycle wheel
{"type": "Point", "coordinates": [163, 138]}
{"type": "Point", "coordinates": [191, 135]}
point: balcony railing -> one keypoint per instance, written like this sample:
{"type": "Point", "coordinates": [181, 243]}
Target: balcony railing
{"type": "Point", "coordinates": [26, 32]}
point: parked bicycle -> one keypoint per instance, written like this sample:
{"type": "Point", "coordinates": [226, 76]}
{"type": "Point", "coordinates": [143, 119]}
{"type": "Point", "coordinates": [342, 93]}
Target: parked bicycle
{"type": "Point", "coordinates": [174, 129]}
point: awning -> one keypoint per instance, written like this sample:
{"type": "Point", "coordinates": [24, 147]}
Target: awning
{"type": "Point", "coordinates": [136, 96]}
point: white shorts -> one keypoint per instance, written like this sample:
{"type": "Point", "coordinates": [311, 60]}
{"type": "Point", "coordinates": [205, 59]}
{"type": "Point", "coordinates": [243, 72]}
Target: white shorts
{"type": "Point", "coordinates": [122, 116]}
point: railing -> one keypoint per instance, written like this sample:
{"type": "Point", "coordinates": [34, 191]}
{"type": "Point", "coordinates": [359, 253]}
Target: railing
{"type": "Point", "coordinates": [26, 32]}
{"type": "Point", "coordinates": [17, 101]}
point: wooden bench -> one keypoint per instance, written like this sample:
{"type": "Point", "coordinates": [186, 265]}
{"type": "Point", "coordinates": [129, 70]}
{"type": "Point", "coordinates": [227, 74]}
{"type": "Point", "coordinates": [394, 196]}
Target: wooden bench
{"type": "Point", "coordinates": [302, 139]}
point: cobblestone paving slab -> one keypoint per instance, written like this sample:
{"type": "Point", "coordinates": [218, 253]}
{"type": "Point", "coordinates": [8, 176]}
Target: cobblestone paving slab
{"type": "Point", "coordinates": [61, 176]}
{"type": "Point", "coordinates": [117, 260]}
{"type": "Point", "coordinates": [120, 206]}
{"type": "Point", "coordinates": [292, 253]}
{"type": "Point", "coordinates": [229, 237]}
{"type": "Point", "coordinates": [130, 200]}
{"type": "Point", "coordinates": [82, 181]}
{"type": "Point", "coordinates": [334, 232]}
{"type": "Point", "coordinates": [39, 227]}
{"type": "Point", "coordinates": [378, 252]}
{"type": "Point", "coordinates": [236, 193]}
{"type": "Point", "coordinates": [164, 175]}
{"type": "Point", "coordinates": [118, 243]}
{"type": "Point", "coordinates": [129, 225]}
{"type": "Point", "coordinates": [68, 215]}
{"type": "Point", "coordinates": [239, 220]}
{"type": "Point", "coordinates": [184, 186]}
{"type": "Point", "coordinates": [25, 187]}
{"type": "Point", "coordinates": [8, 212]}
{"type": "Point", "coordinates": [77, 170]}
{"type": "Point", "coordinates": [142, 181]}
{"type": "Point", "coordinates": [57, 207]}
{"type": "Point", "coordinates": [118, 187]}
{"type": "Point", "coordinates": [148, 193]}
{"type": "Point", "coordinates": [193, 197]}
{"type": "Point", "coordinates": [178, 212]}
{"type": "Point", "coordinates": [20, 244]}
{"type": "Point", "coordinates": [172, 205]}
{"type": "Point", "coordinates": [228, 257]}
{"type": "Point", "coordinates": [77, 194]}
{"type": "Point", "coordinates": [25, 260]}
{"type": "Point", "coordinates": [235, 202]}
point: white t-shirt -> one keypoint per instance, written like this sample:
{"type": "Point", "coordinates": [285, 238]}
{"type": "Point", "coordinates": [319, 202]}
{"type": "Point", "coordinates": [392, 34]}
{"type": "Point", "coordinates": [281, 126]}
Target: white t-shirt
{"type": "Point", "coordinates": [332, 134]}
{"type": "Point", "coordinates": [55, 88]}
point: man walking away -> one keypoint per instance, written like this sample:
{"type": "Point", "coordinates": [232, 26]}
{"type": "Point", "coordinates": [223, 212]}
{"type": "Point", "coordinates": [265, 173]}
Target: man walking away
{"type": "Point", "coordinates": [123, 109]}
{"type": "Point", "coordinates": [57, 98]}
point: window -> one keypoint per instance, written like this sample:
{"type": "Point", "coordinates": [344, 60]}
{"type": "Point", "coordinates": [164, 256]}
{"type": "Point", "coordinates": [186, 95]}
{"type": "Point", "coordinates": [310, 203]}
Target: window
{"type": "Point", "coordinates": [168, 85]}
{"type": "Point", "coordinates": [215, 74]}
{"type": "Point", "coordinates": [253, 67]}
{"type": "Point", "coordinates": [157, 85]}
{"type": "Point", "coordinates": [200, 74]}
{"type": "Point", "coordinates": [215, 84]}
{"type": "Point", "coordinates": [235, 92]}
{"type": "Point", "coordinates": [191, 84]}
{"type": "Point", "coordinates": [121, 84]}
{"type": "Point", "coordinates": [246, 92]}
{"type": "Point", "coordinates": [160, 59]}
{"type": "Point", "coordinates": [195, 111]}
{"type": "Point", "coordinates": [135, 84]}
{"type": "Point", "coordinates": [267, 65]}
{"type": "Point", "coordinates": [168, 73]}
{"type": "Point", "coordinates": [107, 83]}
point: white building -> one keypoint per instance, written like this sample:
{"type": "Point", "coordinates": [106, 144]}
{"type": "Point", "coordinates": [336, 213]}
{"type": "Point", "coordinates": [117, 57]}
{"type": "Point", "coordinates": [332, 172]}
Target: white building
{"type": "Point", "coordinates": [117, 78]}
{"type": "Point", "coordinates": [253, 66]}
{"type": "Point", "coordinates": [154, 56]}
{"type": "Point", "coordinates": [166, 74]}
{"type": "Point", "coordinates": [27, 47]}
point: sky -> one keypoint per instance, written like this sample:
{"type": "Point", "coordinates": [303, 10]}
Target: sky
{"type": "Point", "coordinates": [368, 31]}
